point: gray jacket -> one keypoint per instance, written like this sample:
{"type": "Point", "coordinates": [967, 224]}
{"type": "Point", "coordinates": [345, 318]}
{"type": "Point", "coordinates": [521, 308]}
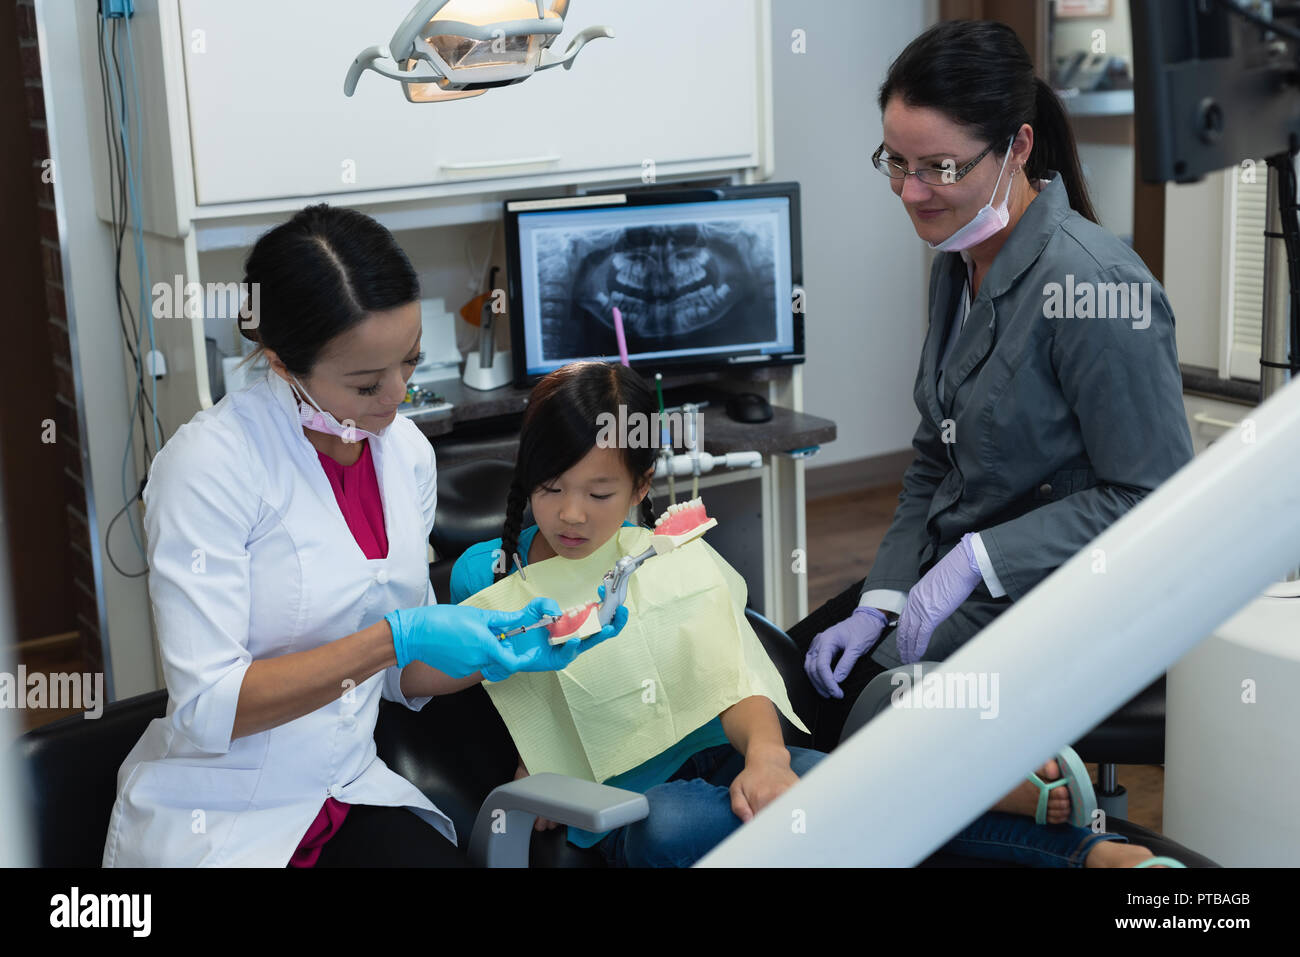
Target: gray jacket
{"type": "Point", "coordinates": [1056, 424]}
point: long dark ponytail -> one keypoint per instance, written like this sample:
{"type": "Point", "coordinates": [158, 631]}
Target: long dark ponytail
{"type": "Point", "coordinates": [978, 73]}
{"type": "Point", "coordinates": [562, 424]}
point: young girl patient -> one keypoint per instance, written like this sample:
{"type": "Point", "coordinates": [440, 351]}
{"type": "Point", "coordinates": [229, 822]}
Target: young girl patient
{"type": "Point", "coordinates": [703, 787]}
{"type": "Point", "coordinates": [722, 773]}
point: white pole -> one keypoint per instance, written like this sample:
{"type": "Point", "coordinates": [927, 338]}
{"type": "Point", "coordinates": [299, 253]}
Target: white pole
{"type": "Point", "coordinates": [1064, 658]}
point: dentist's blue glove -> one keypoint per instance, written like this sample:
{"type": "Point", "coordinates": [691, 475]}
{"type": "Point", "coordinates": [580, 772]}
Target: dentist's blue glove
{"type": "Point", "coordinates": [533, 651]}
{"type": "Point", "coordinates": [850, 639]}
{"type": "Point", "coordinates": [459, 640]}
{"type": "Point", "coordinates": [936, 596]}
{"type": "Point", "coordinates": [616, 623]}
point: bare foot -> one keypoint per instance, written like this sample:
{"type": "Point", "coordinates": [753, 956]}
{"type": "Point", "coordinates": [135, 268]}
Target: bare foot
{"type": "Point", "coordinates": [1024, 798]}
{"type": "Point", "coordinates": [1117, 854]}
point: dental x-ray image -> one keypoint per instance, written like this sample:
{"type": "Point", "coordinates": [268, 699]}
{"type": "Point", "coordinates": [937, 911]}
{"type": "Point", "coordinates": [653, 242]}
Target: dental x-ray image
{"type": "Point", "coordinates": [685, 285]}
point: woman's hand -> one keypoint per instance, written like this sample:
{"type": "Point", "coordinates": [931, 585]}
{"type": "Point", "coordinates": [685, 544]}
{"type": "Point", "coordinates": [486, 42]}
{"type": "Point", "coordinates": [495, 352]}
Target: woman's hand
{"type": "Point", "coordinates": [533, 651]}
{"type": "Point", "coordinates": [765, 777]}
{"type": "Point", "coordinates": [541, 823]}
{"type": "Point", "coordinates": [850, 640]}
{"type": "Point", "coordinates": [935, 597]}
{"type": "Point", "coordinates": [459, 640]}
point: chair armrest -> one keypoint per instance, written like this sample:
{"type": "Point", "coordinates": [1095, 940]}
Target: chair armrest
{"type": "Point", "coordinates": [504, 826]}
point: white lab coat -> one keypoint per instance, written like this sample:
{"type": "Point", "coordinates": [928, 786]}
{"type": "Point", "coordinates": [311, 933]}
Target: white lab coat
{"type": "Point", "coordinates": [250, 558]}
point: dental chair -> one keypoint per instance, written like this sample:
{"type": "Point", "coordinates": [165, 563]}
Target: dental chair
{"type": "Point", "coordinates": [461, 519]}
{"type": "Point", "coordinates": [456, 750]}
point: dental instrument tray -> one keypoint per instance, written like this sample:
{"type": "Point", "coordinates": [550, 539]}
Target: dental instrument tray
{"type": "Point", "coordinates": [424, 404]}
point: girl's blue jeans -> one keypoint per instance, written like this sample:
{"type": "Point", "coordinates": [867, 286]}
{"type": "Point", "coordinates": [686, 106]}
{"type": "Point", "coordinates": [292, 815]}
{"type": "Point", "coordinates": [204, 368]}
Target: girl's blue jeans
{"type": "Point", "coordinates": [690, 814]}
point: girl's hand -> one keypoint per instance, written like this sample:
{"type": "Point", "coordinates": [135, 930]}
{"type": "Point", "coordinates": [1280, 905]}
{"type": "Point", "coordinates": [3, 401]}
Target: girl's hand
{"type": "Point", "coordinates": [765, 778]}
{"type": "Point", "coordinates": [459, 640]}
{"type": "Point", "coordinates": [541, 824]}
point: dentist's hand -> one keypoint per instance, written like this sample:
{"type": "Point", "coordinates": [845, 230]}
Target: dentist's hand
{"type": "Point", "coordinates": [936, 596]}
{"type": "Point", "coordinates": [533, 651]}
{"type": "Point", "coordinates": [459, 640]}
{"type": "Point", "coordinates": [616, 623]}
{"type": "Point", "coordinates": [850, 640]}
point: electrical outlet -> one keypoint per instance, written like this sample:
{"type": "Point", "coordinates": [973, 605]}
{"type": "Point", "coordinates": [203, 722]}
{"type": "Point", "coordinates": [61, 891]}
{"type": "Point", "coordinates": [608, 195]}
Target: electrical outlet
{"type": "Point", "coordinates": [154, 364]}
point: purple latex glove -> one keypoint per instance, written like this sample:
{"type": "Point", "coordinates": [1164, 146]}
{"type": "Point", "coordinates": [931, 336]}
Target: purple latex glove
{"type": "Point", "coordinates": [849, 639]}
{"type": "Point", "coordinates": [935, 597]}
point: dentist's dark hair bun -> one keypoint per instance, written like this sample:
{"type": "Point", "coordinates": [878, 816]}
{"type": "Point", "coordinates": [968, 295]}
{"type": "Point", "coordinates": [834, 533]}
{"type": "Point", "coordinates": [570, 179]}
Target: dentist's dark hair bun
{"type": "Point", "coordinates": [317, 276]}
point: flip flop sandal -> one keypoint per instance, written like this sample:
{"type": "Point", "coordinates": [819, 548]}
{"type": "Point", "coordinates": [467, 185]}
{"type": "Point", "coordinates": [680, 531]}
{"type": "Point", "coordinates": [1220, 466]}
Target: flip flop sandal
{"type": "Point", "coordinates": [1074, 776]}
{"type": "Point", "coordinates": [1166, 861]}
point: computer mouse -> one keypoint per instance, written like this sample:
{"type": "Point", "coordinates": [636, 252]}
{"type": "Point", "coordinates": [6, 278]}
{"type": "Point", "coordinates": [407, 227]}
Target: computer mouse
{"type": "Point", "coordinates": [749, 407]}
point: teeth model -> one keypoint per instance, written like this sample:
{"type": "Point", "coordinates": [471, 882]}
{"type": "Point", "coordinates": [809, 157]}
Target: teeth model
{"type": "Point", "coordinates": [576, 622]}
{"type": "Point", "coordinates": [681, 523]}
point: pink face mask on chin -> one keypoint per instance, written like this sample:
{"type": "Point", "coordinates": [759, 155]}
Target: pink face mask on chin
{"type": "Point", "coordinates": [318, 420]}
{"type": "Point", "coordinates": [987, 222]}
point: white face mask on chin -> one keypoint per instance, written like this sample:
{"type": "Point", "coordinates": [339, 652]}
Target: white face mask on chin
{"type": "Point", "coordinates": [987, 222]}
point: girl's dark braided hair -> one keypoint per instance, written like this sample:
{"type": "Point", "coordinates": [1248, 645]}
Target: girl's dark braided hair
{"type": "Point", "coordinates": [562, 424]}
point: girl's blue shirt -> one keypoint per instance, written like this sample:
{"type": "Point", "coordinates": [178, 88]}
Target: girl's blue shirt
{"type": "Point", "coordinates": [473, 572]}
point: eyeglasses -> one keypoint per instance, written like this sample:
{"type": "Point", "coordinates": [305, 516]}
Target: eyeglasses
{"type": "Point", "coordinates": [930, 175]}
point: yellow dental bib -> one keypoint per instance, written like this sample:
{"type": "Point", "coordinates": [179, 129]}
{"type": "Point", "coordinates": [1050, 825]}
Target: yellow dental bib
{"type": "Point", "coordinates": [686, 654]}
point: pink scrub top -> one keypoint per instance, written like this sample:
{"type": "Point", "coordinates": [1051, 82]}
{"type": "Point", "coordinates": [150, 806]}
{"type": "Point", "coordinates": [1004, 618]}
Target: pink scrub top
{"type": "Point", "coordinates": [356, 488]}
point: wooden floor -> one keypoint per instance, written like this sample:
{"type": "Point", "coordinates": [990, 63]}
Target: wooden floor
{"type": "Point", "coordinates": [844, 532]}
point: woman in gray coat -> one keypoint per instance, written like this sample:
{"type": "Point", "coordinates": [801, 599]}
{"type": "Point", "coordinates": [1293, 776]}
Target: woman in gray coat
{"type": "Point", "coordinates": [1049, 388]}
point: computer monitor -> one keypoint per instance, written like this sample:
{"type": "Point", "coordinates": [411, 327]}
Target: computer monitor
{"type": "Point", "coordinates": [702, 278]}
{"type": "Point", "coordinates": [1211, 88]}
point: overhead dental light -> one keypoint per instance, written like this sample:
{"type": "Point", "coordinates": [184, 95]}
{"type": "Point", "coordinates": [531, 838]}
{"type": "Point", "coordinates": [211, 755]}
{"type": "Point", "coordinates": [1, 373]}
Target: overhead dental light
{"type": "Point", "coordinates": [451, 49]}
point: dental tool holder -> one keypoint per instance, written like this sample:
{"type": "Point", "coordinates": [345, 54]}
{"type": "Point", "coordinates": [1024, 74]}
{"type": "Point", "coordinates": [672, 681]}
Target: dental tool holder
{"type": "Point", "coordinates": [493, 376]}
{"type": "Point", "coordinates": [692, 412]}
{"type": "Point", "coordinates": [694, 461]}
{"type": "Point", "coordinates": [487, 369]}
{"type": "Point", "coordinates": [705, 462]}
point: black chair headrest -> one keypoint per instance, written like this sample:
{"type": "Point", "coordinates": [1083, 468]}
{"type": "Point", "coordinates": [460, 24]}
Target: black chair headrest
{"type": "Point", "coordinates": [471, 505]}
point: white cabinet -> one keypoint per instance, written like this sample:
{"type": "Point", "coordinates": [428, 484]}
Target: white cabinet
{"type": "Point", "coordinates": [268, 118]}
{"type": "Point", "coordinates": [682, 85]}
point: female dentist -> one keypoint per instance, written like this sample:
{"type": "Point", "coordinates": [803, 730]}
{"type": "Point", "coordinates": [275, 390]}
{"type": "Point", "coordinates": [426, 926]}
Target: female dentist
{"type": "Point", "coordinates": [288, 575]}
{"type": "Point", "coordinates": [1049, 388]}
